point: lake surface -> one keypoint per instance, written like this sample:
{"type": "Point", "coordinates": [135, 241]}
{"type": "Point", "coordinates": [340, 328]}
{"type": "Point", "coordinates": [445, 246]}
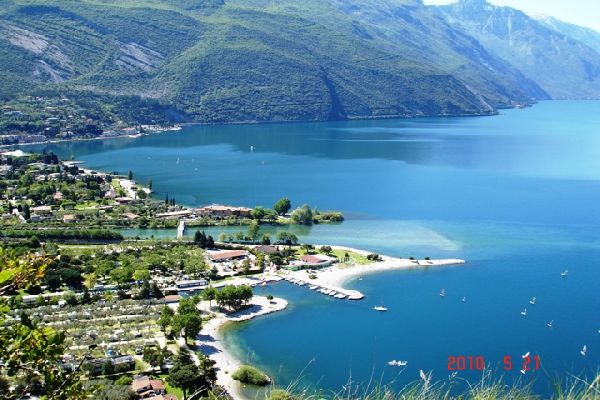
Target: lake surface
{"type": "Point", "coordinates": [517, 195]}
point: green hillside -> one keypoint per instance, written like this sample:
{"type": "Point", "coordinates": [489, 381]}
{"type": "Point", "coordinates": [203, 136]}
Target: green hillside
{"type": "Point", "coordinates": [256, 60]}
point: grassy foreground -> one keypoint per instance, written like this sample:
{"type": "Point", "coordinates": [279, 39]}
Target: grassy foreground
{"type": "Point", "coordinates": [488, 388]}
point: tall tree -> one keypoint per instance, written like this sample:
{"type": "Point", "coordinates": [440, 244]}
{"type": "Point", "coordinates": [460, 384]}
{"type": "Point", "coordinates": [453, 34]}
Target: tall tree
{"type": "Point", "coordinates": [282, 206]}
{"type": "Point", "coordinates": [287, 238]}
{"type": "Point", "coordinates": [209, 294]}
{"type": "Point", "coordinates": [303, 215]}
{"type": "Point", "coordinates": [253, 230]}
{"type": "Point", "coordinates": [187, 376]}
{"type": "Point", "coordinates": [165, 319]}
{"type": "Point", "coordinates": [188, 325]}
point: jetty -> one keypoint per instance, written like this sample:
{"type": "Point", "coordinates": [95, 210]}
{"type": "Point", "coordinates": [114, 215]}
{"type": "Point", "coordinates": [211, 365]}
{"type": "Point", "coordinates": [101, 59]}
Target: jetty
{"type": "Point", "coordinates": [329, 281]}
{"type": "Point", "coordinates": [327, 290]}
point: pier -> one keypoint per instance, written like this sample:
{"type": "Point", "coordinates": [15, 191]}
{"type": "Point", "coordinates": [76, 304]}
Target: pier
{"type": "Point", "coordinates": [329, 281]}
{"type": "Point", "coordinates": [327, 290]}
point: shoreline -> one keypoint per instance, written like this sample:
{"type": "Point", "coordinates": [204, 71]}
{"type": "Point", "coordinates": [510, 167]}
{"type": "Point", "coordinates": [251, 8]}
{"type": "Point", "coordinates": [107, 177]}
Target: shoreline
{"type": "Point", "coordinates": [210, 340]}
{"type": "Point", "coordinates": [493, 113]}
{"type": "Point", "coordinates": [334, 277]}
{"type": "Point", "coordinates": [175, 128]}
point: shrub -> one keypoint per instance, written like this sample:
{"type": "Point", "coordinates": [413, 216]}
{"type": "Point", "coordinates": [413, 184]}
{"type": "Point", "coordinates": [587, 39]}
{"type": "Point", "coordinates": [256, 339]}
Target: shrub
{"type": "Point", "coordinates": [374, 257]}
{"type": "Point", "coordinates": [280, 394]}
{"type": "Point", "coordinates": [124, 380]}
{"type": "Point", "coordinates": [251, 375]}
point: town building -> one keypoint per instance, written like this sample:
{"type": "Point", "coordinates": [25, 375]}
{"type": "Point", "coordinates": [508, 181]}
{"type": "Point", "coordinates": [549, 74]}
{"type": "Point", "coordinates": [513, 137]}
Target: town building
{"type": "Point", "coordinates": [221, 211]}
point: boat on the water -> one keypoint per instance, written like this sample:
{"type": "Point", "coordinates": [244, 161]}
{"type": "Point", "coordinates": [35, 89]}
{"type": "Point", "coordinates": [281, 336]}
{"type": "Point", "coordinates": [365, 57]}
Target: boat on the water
{"type": "Point", "coordinates": [550, 324]}
{"type": "Point", "coordinates": [464, 299]}
{"type": "Point", "coordinates": [397, 363]}
{"type": "Point", "coordinates": [525, 355]}
{"type": "Point", "coordinates": [524, 312]}
{"type": "Point", "coordinates": [443, 293]}
{"type": "Point", "coordinates": [533, 300]}
{"type": "Point", "coordinates": [380, 308]}
{"type": "Point", "coordinates": [564, 273]}
{"type": "Point", "coordinates": [584, 350]}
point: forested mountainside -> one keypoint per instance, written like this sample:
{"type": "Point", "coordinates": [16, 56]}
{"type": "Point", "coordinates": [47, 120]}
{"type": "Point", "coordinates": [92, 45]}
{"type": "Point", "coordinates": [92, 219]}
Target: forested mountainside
{"type": "Point", "coordinates": [267, 60]}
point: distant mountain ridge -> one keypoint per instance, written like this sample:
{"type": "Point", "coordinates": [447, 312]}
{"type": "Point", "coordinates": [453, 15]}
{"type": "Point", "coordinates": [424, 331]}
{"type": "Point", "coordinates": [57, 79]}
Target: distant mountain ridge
{"type": "Point", "coordinates": [267, 60]}
{"type": "Point", "coordinates": [562, 65]}
{"type": "Point", "coordinates": [585, 35]}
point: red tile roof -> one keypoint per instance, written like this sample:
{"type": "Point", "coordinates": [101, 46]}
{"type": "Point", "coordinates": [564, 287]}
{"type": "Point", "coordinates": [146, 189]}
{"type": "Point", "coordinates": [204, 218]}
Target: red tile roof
{"type": "Point", "coordinates": [227, 254]}
{"type": "Point", "coordinates": [140, 383]}
{"type": "Point", "coordinates": [157, 385]}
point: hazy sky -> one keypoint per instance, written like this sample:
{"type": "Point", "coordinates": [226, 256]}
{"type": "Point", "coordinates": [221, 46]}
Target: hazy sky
{"type": "Point", "coordinates": [580, 12]}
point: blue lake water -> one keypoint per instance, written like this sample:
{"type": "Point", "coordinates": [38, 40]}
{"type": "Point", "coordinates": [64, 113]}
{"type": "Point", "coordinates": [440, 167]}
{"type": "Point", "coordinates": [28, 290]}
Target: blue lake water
{"type": "Point", "coordinates": [516, 194]}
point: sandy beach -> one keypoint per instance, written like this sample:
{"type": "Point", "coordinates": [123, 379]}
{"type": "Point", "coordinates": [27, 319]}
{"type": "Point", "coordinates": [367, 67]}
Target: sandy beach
{"type": "Point", "coordinates": [334, 277]}
{"type": "Point", "coordinates": [210, 340]}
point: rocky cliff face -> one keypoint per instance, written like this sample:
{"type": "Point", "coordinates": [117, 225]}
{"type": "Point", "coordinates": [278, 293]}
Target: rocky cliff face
{"type": "Point", "coordinates": [563, 66]}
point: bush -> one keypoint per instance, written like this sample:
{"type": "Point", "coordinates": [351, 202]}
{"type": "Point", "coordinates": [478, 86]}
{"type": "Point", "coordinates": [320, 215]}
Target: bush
{"type": "Point", "coordinates": [374, 257]}
{"type": "Point", "coordinates": [280, 394]}
{"type": "Point", "coordinates": [326, 249]}
{"type": "Point", "coordinates": [251, 375]}
{"type": "Point", "coordinates": [124, 380]}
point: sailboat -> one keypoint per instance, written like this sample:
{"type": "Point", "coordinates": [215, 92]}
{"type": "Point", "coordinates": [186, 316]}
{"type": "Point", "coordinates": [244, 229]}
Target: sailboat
{"type": "Point", "coordinates": [564, 273]}
{"type": "Point", "coordinates": [550, 324]}
{"type": "Point", "coordinates": [532, 301]}
{"type": "Point", "coordinates": [584, 351]}
{"type": "Point", "coordinates": [397, 363]}
{"type": "Point", "coordinates": [443, 293]}
{"type": "Point", "coordinates": [524, 356]}
{"type": "Point", "coordinates": [524, 312]}
{"type": "Point", "coordinates": [464, 299]}
{"type": "Point", "coordinates": [380, 307]}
